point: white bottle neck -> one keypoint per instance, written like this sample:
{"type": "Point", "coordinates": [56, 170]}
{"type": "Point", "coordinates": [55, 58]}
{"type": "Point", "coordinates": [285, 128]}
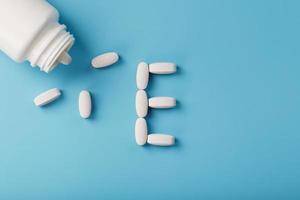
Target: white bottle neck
{"type": "Point", "coordinates": [51, 43]}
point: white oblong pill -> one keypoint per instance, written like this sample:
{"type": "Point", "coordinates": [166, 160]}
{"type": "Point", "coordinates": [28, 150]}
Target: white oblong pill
{"type": "Point", "coordinates": [141, 103]}
{"type": "Point", "coordinates": [141, 131]}
{"type": "Point", "coordinates": [162, 102]}
{"type": "Point", "coordinates": [162, 68]}
{"type": "Point", "coordinates": [105, 60]}
{"type": "Point", "coordinates": [65, 58]}
{"type": "Point", "coordinates": [85, 104]}
{"type": "Point", "coordinates": [47, 97]}
{"type": "Point", "coordinates": [161, 139]}
{"type": "Point", "coordinates": [142, 76]}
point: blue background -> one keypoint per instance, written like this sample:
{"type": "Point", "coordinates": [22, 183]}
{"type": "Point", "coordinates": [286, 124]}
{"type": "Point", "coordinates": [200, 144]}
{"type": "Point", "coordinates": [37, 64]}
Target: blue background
{"type": "Point", "coordinates": [237, 122]}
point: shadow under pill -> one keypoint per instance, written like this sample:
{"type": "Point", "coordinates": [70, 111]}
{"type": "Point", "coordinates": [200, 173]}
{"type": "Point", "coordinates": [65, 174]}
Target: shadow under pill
{"type": "Point", "coordinates": [154, 79]}
{"type": "Point", "coordinates": [95, 102]}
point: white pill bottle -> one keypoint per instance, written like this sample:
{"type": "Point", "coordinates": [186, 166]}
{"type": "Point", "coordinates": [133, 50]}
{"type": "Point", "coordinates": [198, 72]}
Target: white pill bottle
{"type": "Point", "coordinates": [29, 30]}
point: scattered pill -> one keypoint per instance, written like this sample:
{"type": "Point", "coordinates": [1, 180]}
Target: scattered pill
{"type": "Point", "coordinates": [141, 103]}
{"type": "Point", "coordinates": [162, 68]}
{"type": "Point", "coordinates": [105, 60]}
{"type": "Point", "coordinates": [162, 102]}
{"type": "Point", "coordinates": [142, 76]}
{"type": "Point", "coordinates": [47, 97]}
{"type": "Point", "coordinates": [85, 104]}
{"type": "Point", "coordinates": [141, 131]}
{"type": "Point", "coordinates": [161, 139]}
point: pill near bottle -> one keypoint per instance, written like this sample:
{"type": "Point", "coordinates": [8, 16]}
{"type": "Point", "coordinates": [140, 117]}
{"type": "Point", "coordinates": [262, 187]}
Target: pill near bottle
{"type": "Point", "coordinates": [30, 31]}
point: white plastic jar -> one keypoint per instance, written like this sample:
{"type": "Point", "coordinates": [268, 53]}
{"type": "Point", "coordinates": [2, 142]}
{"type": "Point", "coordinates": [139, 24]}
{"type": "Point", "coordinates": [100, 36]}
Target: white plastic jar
{"type": "Point", "coordinates": [29, 30]}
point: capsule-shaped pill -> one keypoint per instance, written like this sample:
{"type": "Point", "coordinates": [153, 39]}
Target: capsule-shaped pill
{"type": "Point", "coordinates": [162, 102]}
{"type": "Point", "coordinates": [142, 76]}
{"type": "Point", "coordinates": [105, 60]}
{"type": "Point", "coordinates": [161, 139]}
{"type": "Point", "coordinates": [85, 104]}
{"type": "Point", "coordinates": [64, 58]}
{"type": "Point", "coordinates": [141, 103]}
{"type": "Point", "coordinates": [162, 68]}
{"type": "Point", "coordinates": [47, 97]}
{"type": "Point", "coordinates": [141, 131]}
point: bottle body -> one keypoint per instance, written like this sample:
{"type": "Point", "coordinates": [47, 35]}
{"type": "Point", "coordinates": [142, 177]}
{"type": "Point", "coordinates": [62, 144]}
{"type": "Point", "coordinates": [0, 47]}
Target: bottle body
{"type": "Point", "coordinates": [29, 30]}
